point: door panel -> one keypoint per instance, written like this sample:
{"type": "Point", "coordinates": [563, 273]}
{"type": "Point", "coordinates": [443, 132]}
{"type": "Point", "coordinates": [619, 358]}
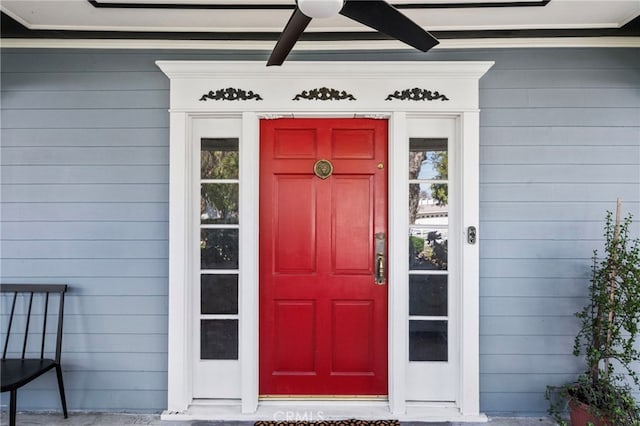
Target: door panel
{"type": "Point", "coordinates": [352, 222]}
{"type": "Point", "coordinates": [295, 234]}
{"type": "Point", "coordinates": [295, 331]}
{"type": "Point", "coordinates": [323, 320]}
{"type": "Point", "coordinates": [294, 143]}
{"type": "Point", "coordinates": [353, 333]}
{"type": "Point", "coordinates": [351, 144]}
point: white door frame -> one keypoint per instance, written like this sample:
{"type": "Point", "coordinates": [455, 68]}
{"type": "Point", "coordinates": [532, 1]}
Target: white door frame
{"type": "Point", "coordinates": [247, 92]}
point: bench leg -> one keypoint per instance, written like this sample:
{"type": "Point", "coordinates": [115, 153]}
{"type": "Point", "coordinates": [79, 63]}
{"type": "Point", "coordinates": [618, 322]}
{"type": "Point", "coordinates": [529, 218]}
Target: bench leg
{"type": "Point", "coordinates": [61, 389]}
{"type": "Point", "coordinates": [12, 407]}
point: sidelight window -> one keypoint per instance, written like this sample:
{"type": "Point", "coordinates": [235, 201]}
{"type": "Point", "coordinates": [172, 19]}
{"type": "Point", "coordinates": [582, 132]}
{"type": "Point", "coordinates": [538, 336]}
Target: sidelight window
{"type": "Point", "coordinates": [428, 249]}
{"type": "Point", "coordinates": [219, 248]}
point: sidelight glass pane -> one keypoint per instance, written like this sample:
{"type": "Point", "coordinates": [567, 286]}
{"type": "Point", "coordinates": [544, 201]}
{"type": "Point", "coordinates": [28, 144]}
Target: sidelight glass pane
{"type": "Point", "coordinates": [429, 204]}
{"type": "Point", "coordinates": [219, 294]}
{"type": "Point", "coordinates": [428, 248]}
{"type": "Point", "coordinates": [219, 158]}
{"type": "Point", "coordinates": [428, 341]}
{"type": "Point", "coordinates": [219, 249]}
{"type": "Point", "coordinates": [428, 295]}
{"type": "Point", "coordinates": [428, 158]}
{"type": "Point", "coordinates": [219, 203]}
{"type": "Point", "coordinates": [219, 339]}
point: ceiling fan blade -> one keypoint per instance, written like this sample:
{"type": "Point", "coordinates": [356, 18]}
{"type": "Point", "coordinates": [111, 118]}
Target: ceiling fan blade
{"type": "Point", "coordinates": [381, 16]}
{"type": "Point", "coordinates": [291, 33]}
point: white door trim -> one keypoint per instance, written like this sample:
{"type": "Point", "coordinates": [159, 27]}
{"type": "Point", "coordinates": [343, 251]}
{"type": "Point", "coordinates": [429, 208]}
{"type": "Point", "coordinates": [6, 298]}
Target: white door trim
{"type": "Point", "coordinates": [374, 94]}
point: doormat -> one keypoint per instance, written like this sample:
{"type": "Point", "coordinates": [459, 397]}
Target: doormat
{"type": "Point", "coordinates": [350, 422]}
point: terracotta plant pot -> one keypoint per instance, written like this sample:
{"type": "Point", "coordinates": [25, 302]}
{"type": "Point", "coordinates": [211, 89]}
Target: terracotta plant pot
{"type": "Point", "coordinates": [581, 416]}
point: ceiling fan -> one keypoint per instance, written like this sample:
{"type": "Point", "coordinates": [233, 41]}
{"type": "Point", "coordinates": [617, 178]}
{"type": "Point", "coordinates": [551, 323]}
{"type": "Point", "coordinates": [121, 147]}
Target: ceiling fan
{"type": "Point", "coordinates": [377, 14]}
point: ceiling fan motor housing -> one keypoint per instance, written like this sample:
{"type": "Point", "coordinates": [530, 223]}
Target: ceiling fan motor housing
{"type": "Point", "coordinates": [320, 8]}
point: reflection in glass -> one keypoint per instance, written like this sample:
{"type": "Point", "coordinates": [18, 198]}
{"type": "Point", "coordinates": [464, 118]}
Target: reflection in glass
{"type": "Point", "coordinates": [428, 248]}
{"type": "Point", "coordinates": [219, 203]}
{"type": "Point", "coordinates": [219, 339]}
{"type": "Point", "coordinates": [428, 341]}
{"type": "Point", "coordinates": [428, 295]}
{"type": "Point", "coordinates": [428, 158]}
{"type": "Point", "coordinates": [428, 204]}
{"type": "Point", "coordinates": [219, 294]}
{"type": "Point", "coordinates": [219, 158]}
{"type": "Point", "coordinates": [219, 248]}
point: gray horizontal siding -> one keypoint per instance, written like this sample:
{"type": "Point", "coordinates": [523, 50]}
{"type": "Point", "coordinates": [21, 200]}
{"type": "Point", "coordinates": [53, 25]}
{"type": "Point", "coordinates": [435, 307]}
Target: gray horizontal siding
{"type": "Point", "coordinates": [560, 211]}
{"type": "Point", "coordinates": [529, 344]}
{"type": "Point", "coordinates": [85, 119]}
{"type": "Point", "coordinates": [86, 230]}
{"type": "Point", "coordinates": [109, 324]}
{"type": "Point", "coordinates": [540, 268]}
{"type": "Point", "coordinates": [532, 155]}
{"type": "Point", "coordinates": [84, 155]}
{"type": "Point", "coordinates": [86, 193]}
{"type": "Point", "coordinates": [562, 229]}
{"type": "Point", "coordinates": [518, 98]}
{"type": "Point", "coordinates": [561, 173]}
{"type": "Point", "coordinates": [84, 250]}
{"type": "Point", "coordinates": [121, 400]}
{"type": "Point", "coordinates": [74, 137]}
{"type": "Point", "coordinates": [520, 325]}
{"type": "Point", "coordinates": [78, 212]}
{"type": "Point", "coordinates": [543, 192]}
{"type": "Point", "coordinates": [72, 268]}
{"type": "Point", "coordinates": [106, 343]}
{"type": "Point", "coordinates": [537, 249]}
{"type": "Point", "coordinates": [553, 136]}
{"type": "Point", "coordinates": [533, 286]}
{"type": "Point", "coordinates": [560, 140]}
{"type": "Point", "coordinates": [94, 100]}
{"type": "Point", "coordinates": [538, 306]}
{"type": "Point", "coordinates": [40, 81]}
{"type": "Point", "coordinates": [85, 201]}
{"type": "Point", "coordinates": [544, 117]}
{"type": "Point", "coordinates": [95, 174]}
{"type": "Point", "coordinates": [80, 156]}
{"type": "Point", "coordinates": [529, 364]}
{"type": "Point", "coordinates": [84, 380]}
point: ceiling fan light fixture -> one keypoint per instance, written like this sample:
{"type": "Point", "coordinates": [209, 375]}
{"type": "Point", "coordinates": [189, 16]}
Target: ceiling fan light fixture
{"type": "Point", "coordinates": [320, 8]}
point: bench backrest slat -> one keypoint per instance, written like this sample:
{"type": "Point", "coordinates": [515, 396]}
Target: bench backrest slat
{"type": "Point", "coordinates": [44, 323]}
{"type": "Point", "coordinates": [60, 319]}
{"type": "Point", "coordinates": [26, 329]}
{"type": "Point", "coordinates": [35, 289]}
{"type": "Point", "coordinates": [13, 309]}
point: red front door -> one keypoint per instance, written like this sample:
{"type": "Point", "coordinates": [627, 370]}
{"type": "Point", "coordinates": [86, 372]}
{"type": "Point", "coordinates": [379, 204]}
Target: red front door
{"type": "Point", "coordinates": [323, 318]}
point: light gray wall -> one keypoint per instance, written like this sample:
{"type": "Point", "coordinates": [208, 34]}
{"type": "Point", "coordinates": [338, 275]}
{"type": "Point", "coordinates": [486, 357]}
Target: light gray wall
{"type": "Point", "coordinates": [84, 196]}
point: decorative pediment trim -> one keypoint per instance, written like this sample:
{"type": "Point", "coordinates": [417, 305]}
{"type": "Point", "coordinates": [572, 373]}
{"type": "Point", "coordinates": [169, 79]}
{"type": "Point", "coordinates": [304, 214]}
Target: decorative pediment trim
{"type": "Point", "coordinates": [416, 94]}
{"type": "Point", "coordinates": [303, 87]}
{"type": "Point", "coordinates": [231, 94]}
{"type": "Point", "coordinates": [324, 94]}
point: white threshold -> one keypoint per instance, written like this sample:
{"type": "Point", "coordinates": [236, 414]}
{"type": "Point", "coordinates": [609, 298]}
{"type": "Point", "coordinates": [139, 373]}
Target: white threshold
{"type": "Point", "coordinates": [317, 410]}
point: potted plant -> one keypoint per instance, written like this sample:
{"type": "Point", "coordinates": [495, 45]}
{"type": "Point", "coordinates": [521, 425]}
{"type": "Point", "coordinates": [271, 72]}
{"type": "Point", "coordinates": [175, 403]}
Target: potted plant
{"type": "Point", "coordinates": [602, 395]}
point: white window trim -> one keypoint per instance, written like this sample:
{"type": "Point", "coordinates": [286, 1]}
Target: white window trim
{"type": "Point", "coordinates": [371, 82]}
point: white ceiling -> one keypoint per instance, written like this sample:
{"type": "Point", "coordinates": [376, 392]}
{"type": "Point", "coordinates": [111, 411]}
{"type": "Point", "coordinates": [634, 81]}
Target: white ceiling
{"type": "Point", "coordinates": [81, 15]}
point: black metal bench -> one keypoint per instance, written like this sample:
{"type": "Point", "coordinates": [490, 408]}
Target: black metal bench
{"type": "Point", "coordinates": [26, 361]}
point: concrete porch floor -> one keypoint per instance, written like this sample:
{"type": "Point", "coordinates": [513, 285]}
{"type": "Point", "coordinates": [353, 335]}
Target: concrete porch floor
{"type": "Point", "coordinates": [116, 419]}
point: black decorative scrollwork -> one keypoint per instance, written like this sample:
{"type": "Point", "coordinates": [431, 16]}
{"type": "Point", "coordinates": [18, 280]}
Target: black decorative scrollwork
{"type": "Point", "coordinates": [324, 94]}
{"type": "Point", "coordinates": [416, 94]}
{"type": "Point", "coordinates": [231, 94]}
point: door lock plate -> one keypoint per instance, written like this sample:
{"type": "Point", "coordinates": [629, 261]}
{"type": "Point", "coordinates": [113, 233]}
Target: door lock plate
{"type": "Point", "coordinates": [380, 260]}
